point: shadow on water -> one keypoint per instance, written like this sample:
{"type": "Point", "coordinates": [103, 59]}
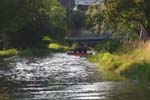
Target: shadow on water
{"type": "Point", "coordinates": [63, 77]}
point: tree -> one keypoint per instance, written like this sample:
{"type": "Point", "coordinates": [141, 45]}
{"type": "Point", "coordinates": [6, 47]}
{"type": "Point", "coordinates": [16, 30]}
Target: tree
{"type": "Point", "coordinates": [76, 21]}
{"type": "Point", "coordinates": [58, 21]}
{"type": "Point", "coordinates": [23, 23]}
{"type": "Point", "coordinates": [128, 15]}
{"type": "Point", "coordinates": [94, 19]}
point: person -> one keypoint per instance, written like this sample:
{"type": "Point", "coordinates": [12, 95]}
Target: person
{"type": "Point", "coordinates": [78, 49]}
{"type": "Point", "coordinates": [84, 49]}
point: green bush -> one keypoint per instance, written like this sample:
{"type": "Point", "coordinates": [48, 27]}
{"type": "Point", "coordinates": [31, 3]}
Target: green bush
{"type": "Point", "coordinates": [107, 61]}
{"type": "Point", "coordinates": [138, 70]}
{"type": "Point", "coordinates": [108, 46]}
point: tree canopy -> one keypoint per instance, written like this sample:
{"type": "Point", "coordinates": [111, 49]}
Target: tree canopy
{"type": "Point", "coordinates": [121, 16]}
{"type": "Point", "coordinates": [128, 14]}
{"type": "Point", "coordinates": [24, 22]}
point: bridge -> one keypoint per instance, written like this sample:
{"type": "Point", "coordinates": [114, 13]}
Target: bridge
{"type": "Point", "coordinates": [90, 41]}
{"type": "Point", "coordinates": [89, 38]}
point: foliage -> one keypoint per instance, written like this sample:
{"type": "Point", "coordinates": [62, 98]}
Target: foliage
{"type": "Point", "coordinates": [58, 20]}
{"type": "Point", "coordinates": [138, 71]}
{"type": "Point", "coordinates": [39, 52]}
{"type": "Point", "coordinates": [76, 20]}
{"type": "Point", "coordinates": [128, 15]}
{"type": "Point", "coordinates": [110, 46]}
{"type": "Point", "coordinates": [107, 61]}
{"type": "Point", "coordinates": [16, 12]}
{"type": "Point", "coordinates": [9, 52]}
{"type": "Point", "coordinates": [74, 45]}
{"type": "Point", "coordinates": [52, 47]}
{"type": "Point", "coordinates": [93, 19]}
{"type": "Point", "coordinates": [119, 17]}
{"type": "Point", "coordinates": [131, 61]}
{"type": "Point", "coordinates": [25, 22]}
{"type": "Point", "coordinates": [58, 46]}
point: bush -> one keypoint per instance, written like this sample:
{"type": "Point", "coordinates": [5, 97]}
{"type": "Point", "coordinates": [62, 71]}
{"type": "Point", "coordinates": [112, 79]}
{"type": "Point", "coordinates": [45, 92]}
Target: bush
{"type": "Point", "coordinates": [138, 71]}
{"type": "Point", "coordinates": [107, 61]}
{"type": "Point", "coordinates": [109, 46]}
{"type": "Point", "coordinates": [134, 63]}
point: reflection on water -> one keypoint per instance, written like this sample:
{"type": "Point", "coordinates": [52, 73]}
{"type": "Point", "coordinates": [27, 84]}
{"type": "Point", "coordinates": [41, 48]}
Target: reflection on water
{"type": "Point", "coordinates": [63, 77]}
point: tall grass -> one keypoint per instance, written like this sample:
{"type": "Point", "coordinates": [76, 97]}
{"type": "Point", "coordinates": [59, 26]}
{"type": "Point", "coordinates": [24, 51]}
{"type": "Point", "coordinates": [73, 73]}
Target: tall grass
{"type": "Point", "coordinates": [132, 60]}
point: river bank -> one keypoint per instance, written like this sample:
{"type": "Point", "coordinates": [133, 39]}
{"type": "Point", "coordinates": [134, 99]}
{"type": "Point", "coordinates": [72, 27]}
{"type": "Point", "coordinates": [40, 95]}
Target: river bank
{"type": "Point", "coordinates": [51, 48]}
{"type": "Point", "coordinates": [130, 60]}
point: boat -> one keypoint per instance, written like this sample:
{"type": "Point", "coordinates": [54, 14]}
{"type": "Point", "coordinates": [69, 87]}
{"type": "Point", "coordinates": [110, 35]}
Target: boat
{"type": "Point", "coordinates": [79, 54]}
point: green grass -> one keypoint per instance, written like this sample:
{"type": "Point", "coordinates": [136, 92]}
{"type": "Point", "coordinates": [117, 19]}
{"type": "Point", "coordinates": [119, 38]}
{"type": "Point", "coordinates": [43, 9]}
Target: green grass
{"type": "Point", "coordinates": [52, 48]}
{"type": "Point", "coordinates": [130, 61]}
{"type": "Point", "coordinates": [8, 53]}
{"type": "Point", "coordinates": [107, 61]}
{"type": "Point", "coordinates": [57, 46]}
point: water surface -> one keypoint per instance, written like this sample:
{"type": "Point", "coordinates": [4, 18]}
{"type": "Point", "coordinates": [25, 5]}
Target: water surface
{"type": "Point", "coordinates": [63, 77]}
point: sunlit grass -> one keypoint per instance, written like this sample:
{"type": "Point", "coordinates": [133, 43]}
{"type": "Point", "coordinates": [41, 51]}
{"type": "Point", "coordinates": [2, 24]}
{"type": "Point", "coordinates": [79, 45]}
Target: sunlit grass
{"type": "Point", "coordinates": [58, 46]}
{"type": "Point", "coordinates": [131, 60]}
{"type": "Point", "coordinates": [52, 48]}
{"type": "Point", "coordinates": [9, 52]}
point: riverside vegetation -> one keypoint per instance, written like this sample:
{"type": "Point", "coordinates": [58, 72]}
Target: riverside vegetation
{"type": "Point", "coordinates": [129, 59]}
{"type": "Point", "coordinates": [52, 48]}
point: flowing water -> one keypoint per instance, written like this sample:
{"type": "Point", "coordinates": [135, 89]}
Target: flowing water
{"type": "Point", "coordinates": [63, 77]}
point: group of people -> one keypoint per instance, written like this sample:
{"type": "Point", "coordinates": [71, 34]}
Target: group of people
{"type": "Point", "coordinates": [82, 48]}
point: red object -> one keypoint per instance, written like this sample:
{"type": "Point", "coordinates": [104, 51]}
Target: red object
{"type": "Point", "coordinates": [79, 54]}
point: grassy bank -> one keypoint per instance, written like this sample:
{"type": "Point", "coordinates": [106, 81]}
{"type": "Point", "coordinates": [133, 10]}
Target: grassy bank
{"type": "Point", "coordinates": [131, 60]}
{"type": "Point", "coordinates": [52, 48]}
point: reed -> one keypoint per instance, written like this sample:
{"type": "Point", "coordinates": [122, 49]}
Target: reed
{"type": "Point", "coordinates": [131, 60]}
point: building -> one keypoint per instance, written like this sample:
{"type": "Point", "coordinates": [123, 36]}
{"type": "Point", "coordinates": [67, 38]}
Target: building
{"type": "Point", "coordinates": [70, 5]}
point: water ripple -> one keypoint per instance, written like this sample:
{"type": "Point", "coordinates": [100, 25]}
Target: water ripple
{"type": "Point", "coordinates": [63, 77]}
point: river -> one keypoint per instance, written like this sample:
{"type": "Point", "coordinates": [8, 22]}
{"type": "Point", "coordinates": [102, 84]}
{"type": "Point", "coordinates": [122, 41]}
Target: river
{"type": "Point", "coordinates": [62, 77]}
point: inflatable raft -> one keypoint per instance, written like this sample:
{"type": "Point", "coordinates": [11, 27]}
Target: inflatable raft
{"type": "Point", "coordinates": [79, 54]}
